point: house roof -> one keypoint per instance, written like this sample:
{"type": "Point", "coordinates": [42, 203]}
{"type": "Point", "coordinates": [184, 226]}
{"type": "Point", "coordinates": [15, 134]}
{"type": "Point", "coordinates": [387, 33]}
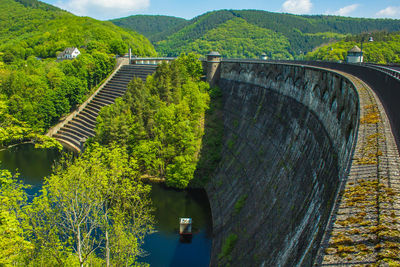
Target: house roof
{"type": "Point", "coordinates": [355, 49]}
{"type": "Point", "coordinates": [69, 50]}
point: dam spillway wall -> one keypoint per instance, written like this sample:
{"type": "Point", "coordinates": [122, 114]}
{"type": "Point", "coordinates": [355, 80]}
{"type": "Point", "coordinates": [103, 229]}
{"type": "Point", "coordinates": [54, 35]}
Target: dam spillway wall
{"type": "Point", "coordinates": [289, 132]}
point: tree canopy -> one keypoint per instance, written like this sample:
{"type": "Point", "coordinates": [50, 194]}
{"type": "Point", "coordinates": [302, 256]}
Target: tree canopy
{"type": "Point", "coordinates": [384, 49]}
{"type": "Point", "coordinates": [36, 90]}
{"type": "Point", "coordinates": [33, 28]}
{"type": "Point", "coordinates": [155, 28]}
{"type": "Point", "coordinates": [93, 208]}
{"type": "Point", "coordinates": [298, 33]}
{"type": "Point", "coordinates": [161, 121]}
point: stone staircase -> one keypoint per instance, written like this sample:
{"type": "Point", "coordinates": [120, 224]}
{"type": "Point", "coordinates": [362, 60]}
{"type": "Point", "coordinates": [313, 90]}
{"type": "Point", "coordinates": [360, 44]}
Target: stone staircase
{"type": "Point", "coordinates": [74, 132]}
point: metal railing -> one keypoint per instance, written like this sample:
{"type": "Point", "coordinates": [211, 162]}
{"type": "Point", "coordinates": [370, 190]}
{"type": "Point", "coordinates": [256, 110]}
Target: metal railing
{"type": "Point", "coordinates": [151, 60]}
{"type": "Point", "coordinates": [388, 70]}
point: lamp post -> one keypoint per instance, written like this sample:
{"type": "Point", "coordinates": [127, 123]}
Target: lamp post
{"type": "Point", "coordinates": [370, 39]}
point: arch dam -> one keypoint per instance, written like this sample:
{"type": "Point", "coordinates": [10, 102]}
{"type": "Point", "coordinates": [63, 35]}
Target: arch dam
{"type": "Point", "coordinates": [310, 169]}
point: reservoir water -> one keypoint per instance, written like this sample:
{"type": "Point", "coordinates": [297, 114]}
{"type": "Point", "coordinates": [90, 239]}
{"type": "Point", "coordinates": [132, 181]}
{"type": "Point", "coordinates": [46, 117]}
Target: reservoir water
{"type": "Point", "coordinates": [164, 247]}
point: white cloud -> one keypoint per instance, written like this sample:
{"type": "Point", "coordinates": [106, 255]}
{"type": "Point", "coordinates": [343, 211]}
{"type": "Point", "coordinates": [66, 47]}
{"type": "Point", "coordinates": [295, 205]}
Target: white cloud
{"type": "Point", "coordinates": [103, 9]}
{"type": "Point", "coordinates": [345, 11]}
{"type": "Point", "coordinates": [389, 12]}
{"type": "Point", "coordinates": [297, 6]}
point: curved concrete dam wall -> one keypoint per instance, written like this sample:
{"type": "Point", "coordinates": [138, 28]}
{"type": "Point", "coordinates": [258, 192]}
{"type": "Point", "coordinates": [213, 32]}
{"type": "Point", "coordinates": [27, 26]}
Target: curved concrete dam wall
{"type": "Point", "coordinates": [289, 133]}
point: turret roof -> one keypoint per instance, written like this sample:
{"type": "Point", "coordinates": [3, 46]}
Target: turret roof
{"type": "Point", "coordinates": [355, 49]}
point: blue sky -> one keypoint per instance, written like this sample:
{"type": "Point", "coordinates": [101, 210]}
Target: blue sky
{"type": "Point", "coordinates": [108, 9]}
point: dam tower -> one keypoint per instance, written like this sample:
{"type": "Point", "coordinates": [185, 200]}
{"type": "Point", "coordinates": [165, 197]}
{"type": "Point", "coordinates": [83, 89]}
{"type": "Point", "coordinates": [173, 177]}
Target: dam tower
{"type": "Point", "coordinates": [213, 67]}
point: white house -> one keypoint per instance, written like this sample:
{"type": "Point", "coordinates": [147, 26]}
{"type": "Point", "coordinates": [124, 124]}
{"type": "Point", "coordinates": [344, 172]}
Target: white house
{"type": "Point", "coordinates": [69, 53]}
{"type": "Point", "coordinates": [355, 55]}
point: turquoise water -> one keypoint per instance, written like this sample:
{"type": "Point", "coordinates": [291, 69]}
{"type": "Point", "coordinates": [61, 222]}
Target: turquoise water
{"type": "Point", "coordinates": [164, 247]}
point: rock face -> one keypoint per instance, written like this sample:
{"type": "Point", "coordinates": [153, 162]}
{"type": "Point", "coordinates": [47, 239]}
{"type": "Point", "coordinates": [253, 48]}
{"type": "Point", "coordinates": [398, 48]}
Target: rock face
{"type": "Point", "coordinates": [289, 133]}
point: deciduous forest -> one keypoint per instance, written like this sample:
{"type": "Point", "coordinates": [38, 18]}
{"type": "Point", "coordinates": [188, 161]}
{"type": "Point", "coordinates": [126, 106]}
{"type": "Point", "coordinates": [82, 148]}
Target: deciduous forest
{"type": "Point", "coordinates": [35, 88]}
{"type": "Point", "coordinates": [385, 48]}
{"type": "Point", "coordinates": [248, 33]}
{"type": "Point", "coordinates": [94, 209]}
{"type": "Point", "coordinates": [161, 122]}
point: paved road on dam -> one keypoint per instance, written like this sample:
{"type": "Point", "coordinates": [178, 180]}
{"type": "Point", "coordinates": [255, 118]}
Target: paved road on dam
{"type": "Point", "coordinates": [364, 227]}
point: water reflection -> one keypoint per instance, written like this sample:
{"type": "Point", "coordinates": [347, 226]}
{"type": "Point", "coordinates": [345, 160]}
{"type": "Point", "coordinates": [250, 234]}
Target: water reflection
{"type": "Point", "coordinates": [32, 164]}
{"type": "Point", "coordinates": [166, 247]}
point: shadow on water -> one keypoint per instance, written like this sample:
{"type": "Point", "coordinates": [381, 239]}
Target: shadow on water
{"type": "Point", "coordinates": [165, 246]}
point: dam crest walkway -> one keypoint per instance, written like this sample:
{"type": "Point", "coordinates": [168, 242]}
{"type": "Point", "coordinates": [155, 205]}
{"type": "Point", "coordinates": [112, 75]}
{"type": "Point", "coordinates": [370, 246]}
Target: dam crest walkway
{"type": "Point", "coordinates": [364, 228]}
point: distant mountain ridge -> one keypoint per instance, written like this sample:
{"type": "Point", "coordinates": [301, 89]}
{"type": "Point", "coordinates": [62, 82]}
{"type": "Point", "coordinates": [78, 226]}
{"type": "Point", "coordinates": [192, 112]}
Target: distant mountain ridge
{"type": "Point", "coordinates": [154, 27]}
{"type": "Point", "coordinates": [303, 32]}
{"type": "Point", "coordinates": [37, 4]}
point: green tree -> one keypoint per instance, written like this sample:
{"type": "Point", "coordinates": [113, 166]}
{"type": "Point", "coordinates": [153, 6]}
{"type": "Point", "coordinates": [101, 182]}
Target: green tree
{"type": "Point", "coordinates": [97, 201]}
{"type": "Point", "coordinates": [160, 121]}
{"type": "Point", "coordinates": [118, 47]}
{"type": "Point", "coordinates": [14, 248]}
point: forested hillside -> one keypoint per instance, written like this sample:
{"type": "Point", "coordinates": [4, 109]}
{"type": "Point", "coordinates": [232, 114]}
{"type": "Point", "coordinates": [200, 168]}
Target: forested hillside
{"type": "Point", "coordinates": [234, 38]}
{"type": "Point", "coordinates": [35, 88]}
{"type": "Point", "coordinates": [161, 121]}
{"type": "Point", "coordinates": [155, 28]}
{"type": "Point", "coordinates": [302, 33]}
{"type": "Point", "coordinates": [27, 30]}
{"type": "Point", "coordinates": [384, 49]}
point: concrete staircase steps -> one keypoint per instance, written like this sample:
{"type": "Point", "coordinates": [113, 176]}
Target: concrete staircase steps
{"type": "Point", "coordinates": [110, 95]}
{"type": "Point", "coordinates": [91, 112]}
{"type": "Point", "coordinates": [92, 109]}
{"type": "Point", "coordinates": [114, 89]}
{"type": "Point", "coordinates": [72, 135]}
{"type": "Point", "coordinates": [129, 75]}
{"type": "Point", "coordinates": [123, 79]}
{"type": "Point", "coordinates": [98, 102]}
{"type": "Point", "coordinates": [68, 140]}
{"type": "Point", "coordinates": [94, 106]}
{"type": "Point", "coordinates": [106, 97]}
{"type": "Point", "coordinates": [81, 126]}
{"type": "Point", "coordinates": [113, 94]}
{"type": "Point", "coordinates": [75, 132]}
{"type": "Point", "coordinates": [118, 83]}
{"type": "Point", "coordinates": [111, 87]}
{"type": "Point", "coordinates": [88, 115]}
{"type": "Point", "coordinates": [102, 100]}
{"type": "Point", "coordinates": [87, 119]}
{"type": "Point", "coordinates": [128, 78]}
{"type": "Point", "coordinates": [84, 122]}
{"type": "Point", "coordinates": [81, 130]}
